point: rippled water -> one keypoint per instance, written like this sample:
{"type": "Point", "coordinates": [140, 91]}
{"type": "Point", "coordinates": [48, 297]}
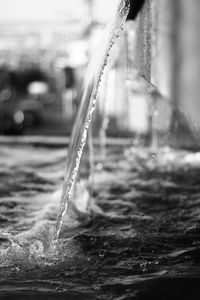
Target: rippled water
{"type": "Point", "coordinates": [139, 238]}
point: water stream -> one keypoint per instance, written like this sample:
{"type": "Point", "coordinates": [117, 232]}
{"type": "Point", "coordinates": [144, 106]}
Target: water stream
{"type": "Point", "coordinates": [38, 240]}
{"type": "Point", "coordinates": [87, 106]}
{"type": "Point", "coordinates": [138, 239]}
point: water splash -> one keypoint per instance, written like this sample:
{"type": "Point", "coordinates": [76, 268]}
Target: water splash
{"type": "Point", "coordinates": [86, 108]}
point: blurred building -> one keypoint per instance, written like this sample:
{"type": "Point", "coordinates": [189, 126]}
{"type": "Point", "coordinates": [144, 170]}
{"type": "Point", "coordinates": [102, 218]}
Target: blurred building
{"type": "Point", "coordinates": [156, 74]}
{"type": "Point", "coordinates": [151, 85]}
{"type": "Point", "coordinates": [167, 57]}
{"type": "Point", "coordinates": [53, 40]}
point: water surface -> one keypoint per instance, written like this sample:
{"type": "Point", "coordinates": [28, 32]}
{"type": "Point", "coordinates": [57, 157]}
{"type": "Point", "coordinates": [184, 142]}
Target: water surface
{"type": "Point", "coordinates": [144, 243]}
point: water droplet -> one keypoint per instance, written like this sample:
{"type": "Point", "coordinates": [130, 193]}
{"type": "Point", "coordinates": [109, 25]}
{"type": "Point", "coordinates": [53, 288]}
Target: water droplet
{"type": "Point", "coordinates": [156, 113]}
{"type": "Point", "coordinates": [143, 266]}
{"type": "Point", "coordinates": [196, 243]}
{"type": "Point", "coordinates": [89, 259]}
{"type": "Point", "coordinates": [60, 288]}
{"type": "Point", "coordinates": [154, 155]}
{"type": "Point", "coordinates": [4, 243]}
{"type": "Point", "coordinates": [196, 126]}
{"type": "Point", "coordinates": [101, 254]}
{"type": "Point", "coordinates": [97, 288]}
{"type": "Point", "coordinates": [99, 166]}
{"type": "Point", "coordinates": [136, 142]}
{"type": "Point", "coordinates": [37, 248]}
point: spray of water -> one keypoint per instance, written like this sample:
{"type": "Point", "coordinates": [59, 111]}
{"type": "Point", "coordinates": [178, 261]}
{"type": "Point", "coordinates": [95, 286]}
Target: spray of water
{"type": "Point", "coordinates": [86, 108]}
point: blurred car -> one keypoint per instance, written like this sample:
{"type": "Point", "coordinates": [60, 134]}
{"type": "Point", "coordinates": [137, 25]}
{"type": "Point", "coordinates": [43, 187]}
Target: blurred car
{"type": "Point", "coordinates": [18, 114]}
{"type": "Point", "coordinates": [32, 110]}
{"type": "Point", "coordinates": [11, 118]}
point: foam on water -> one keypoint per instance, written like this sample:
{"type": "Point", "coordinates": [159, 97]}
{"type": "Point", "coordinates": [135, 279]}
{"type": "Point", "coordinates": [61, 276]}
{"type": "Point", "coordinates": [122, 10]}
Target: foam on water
{"type": "Point", "coordinates": [29, 237]}
{"type": "Point", "coordinates": [148, 233]}
{"type": "Point", "coordinates": [30, 193]}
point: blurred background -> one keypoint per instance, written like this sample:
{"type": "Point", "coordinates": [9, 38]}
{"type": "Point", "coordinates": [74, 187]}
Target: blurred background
{"type": "Point", "coordinates": [44, 49]}
{"type": "Point", "coordinates": [151, 85]}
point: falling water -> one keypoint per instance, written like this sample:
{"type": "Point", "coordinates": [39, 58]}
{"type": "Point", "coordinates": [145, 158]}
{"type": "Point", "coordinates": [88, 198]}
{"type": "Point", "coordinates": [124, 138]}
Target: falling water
{"type": "Point", "coordinates": [145, 245]}
{"type": "Point", "coordinates": [87, 106]}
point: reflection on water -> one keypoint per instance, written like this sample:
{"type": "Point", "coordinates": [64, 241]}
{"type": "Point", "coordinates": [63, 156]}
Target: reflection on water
{"type": "Point", "coordinates": [145, 244]}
